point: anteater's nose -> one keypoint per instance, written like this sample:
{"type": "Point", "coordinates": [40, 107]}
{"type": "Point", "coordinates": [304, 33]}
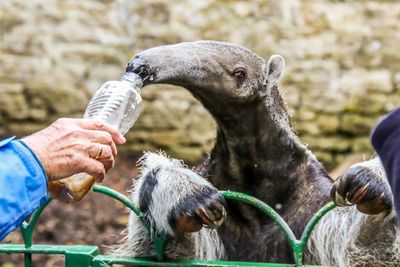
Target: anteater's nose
{"type": "Point", "coordinates": [138, 65]}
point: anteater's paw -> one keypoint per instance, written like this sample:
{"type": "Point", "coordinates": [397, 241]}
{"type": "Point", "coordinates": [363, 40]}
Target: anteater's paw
{"type": "Point", "coordinates": [205, 207]}
{"type": "Point", "coordinates": [175, 199]}
{"type": "Point", "coordinates": [362, 185]}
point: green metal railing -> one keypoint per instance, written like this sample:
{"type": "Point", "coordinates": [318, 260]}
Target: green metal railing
{"type": "Point", "coordinates": [80, 256]}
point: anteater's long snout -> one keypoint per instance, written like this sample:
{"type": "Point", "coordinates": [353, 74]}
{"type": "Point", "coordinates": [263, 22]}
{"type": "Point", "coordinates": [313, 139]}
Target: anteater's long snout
{"type": "Point", "coordinates": [156, 65]}
{"type": "Point", "coordinates": [139, 65]}
{"type": "Point", "coordinates": [172, 64]}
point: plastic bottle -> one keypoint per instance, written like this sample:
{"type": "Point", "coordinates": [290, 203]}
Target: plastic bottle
{"type": "Point", "coordinates": [117, 103]}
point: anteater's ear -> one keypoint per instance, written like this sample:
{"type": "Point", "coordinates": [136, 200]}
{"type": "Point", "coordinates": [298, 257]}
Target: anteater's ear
{"type": "Point", "coordinates": [273, 70]}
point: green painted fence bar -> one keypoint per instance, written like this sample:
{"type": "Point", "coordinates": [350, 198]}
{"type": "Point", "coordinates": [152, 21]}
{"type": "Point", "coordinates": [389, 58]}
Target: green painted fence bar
{"type": "Point", "coordinates": [81, 256]}
{"type": "Point", "coordinates": [298, 246]}
{"type": "Point", "coordinates": [103, 261]}
{"type": "Point", "coordinates": [75, 256]}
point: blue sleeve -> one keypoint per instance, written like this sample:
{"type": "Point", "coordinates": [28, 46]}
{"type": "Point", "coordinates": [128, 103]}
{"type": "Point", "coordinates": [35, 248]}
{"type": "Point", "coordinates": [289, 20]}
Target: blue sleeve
{"type": "Point", "coordinates": [23, 184]}
{"type": "Point", "coordinates": [386, 141]}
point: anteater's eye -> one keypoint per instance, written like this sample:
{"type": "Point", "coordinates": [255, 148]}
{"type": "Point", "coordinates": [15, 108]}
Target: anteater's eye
{"type": "Point", "coordinates": [239, 74]}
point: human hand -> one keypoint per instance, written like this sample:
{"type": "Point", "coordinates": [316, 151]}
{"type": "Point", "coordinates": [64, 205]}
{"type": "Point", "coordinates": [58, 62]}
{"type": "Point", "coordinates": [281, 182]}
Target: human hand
{"type": "Point", "coordinates": [70, 146]}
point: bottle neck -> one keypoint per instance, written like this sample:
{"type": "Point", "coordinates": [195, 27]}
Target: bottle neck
{"type": "Point", "coordinates": [133, 79]}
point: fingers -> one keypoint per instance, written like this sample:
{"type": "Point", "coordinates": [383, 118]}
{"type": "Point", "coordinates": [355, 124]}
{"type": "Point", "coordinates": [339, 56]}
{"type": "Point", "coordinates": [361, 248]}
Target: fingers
{"type": "Point", "coordinates": [108, 164]}
{"type": "Point", "coordinates": [90, 124]}
{"type": "Point", "coordinates": [94, 168]}
{"type": "Point", "coordinates": [70, 146]}
{"type": "Point", "coordinates": [102, 137]}
{"type": "Point", "coordinates": [100, 152]}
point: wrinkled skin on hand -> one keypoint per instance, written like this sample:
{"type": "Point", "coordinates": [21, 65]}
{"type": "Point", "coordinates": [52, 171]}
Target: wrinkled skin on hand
{"type": "Point", "coordinates": [70, 146]}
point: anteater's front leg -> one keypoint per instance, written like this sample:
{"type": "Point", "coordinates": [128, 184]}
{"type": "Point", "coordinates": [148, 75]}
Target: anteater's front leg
{"type": "Point", "coordinates": [175, 201]}
{"type": "Point", "coordinates": [346, 237]}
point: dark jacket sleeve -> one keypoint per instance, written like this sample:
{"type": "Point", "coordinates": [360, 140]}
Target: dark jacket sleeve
{"type": "Point", "coordinates": [23, 184]}
{"type": "Point", "coordinates": [386, 141]}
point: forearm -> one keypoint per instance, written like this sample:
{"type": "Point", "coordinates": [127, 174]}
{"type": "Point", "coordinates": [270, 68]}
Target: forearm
{"type": "Point", "coordinates": [23, 184]}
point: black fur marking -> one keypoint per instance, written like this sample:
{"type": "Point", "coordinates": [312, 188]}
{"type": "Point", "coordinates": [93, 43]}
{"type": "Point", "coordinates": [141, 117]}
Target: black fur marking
{"type": "Point", "coordinates": [205, 196]}
{"type": "Point", "coordinates": [146, 191]}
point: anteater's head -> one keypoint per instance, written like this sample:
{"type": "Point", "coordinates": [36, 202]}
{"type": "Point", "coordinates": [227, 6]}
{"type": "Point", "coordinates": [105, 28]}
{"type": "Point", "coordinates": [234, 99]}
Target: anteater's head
{"type": "Point", "coordinates": [220, 75]}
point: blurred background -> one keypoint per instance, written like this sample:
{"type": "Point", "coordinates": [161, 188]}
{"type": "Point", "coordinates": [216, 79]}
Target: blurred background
{"type": "Point", "coordinates": [343, 73]}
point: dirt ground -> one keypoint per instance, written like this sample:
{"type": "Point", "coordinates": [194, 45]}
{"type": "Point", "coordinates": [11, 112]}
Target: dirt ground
{"type": "Point", "coordinates": [96, 220]}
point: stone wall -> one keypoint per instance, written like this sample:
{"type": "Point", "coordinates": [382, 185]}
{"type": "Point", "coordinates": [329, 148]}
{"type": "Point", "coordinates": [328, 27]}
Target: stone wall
{"type": "Point", "coordinates": [342, 60]}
